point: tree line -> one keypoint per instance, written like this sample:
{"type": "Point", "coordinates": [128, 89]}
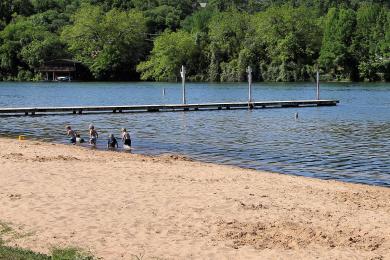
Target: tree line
{"type": "Point", "coordinates": [282, 40]}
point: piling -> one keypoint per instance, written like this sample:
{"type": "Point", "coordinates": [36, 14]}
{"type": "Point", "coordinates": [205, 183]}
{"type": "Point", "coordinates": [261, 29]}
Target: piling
{"type": "Point", "coordinates": [250, 100]}
{"type": "Point", "coordinates": [183, 80]}
{"type": "Point", "coordinates": [318, 85]}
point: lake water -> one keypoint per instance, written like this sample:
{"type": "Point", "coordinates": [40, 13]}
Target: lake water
{"type": "Point", "coordinates": [350, 142]}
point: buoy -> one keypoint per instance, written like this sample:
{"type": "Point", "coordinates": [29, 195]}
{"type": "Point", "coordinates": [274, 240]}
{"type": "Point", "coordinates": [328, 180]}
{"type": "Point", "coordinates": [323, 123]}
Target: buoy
{"type": "Point", "coordinates": [296, 116]}
{"type": "Point", "coordinates": [22, 137]}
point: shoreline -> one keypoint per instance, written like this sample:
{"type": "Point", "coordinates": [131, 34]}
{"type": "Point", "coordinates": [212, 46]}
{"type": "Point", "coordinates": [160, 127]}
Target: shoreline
{"type": "Point", "coordinates": [197, 82]}
{"type": "Point", "coordinates": [117, 205]}
{"type": "Point", "coordinates": [186, 157]}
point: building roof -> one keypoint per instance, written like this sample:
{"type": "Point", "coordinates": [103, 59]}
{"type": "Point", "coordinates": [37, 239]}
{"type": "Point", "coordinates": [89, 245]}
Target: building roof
{"type": "Point", "coordinates": [59, 65]}
{"type": "Point", "coordinates": [63, 61]}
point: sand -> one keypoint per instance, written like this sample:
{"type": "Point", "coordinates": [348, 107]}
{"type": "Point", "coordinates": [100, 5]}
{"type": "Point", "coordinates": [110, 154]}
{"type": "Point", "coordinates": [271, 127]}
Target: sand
{"type": "Point", "coordinates": [119, 206]}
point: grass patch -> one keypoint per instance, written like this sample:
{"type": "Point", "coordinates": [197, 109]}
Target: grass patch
{"type": "Point", "coordinates": [11, 253]}
{"type": "Point", "coordinates": [8, 234]}
{"type": "Point", "coordinates": [70, 254]}
{"type": "Point", "coordinates": [16, 253]}
{"type": "Point", "coordinates": [4, 228]}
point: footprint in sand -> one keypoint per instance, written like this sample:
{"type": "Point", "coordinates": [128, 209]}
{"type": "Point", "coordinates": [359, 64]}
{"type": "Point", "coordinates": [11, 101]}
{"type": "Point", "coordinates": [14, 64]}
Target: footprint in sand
{"type": "Point", "coordinates": [15, 196]}
{"type": "Point", "coordinates": [12, 156]}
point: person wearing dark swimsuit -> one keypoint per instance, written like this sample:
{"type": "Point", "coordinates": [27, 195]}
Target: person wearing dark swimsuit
{"type": "Point", "coordinates": [112, 143]}
{"type": "Point", "coordinates": [126, 137]}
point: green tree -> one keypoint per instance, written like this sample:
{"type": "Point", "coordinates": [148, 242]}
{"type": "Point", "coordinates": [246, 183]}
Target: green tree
{"type": "Point", "coordinates": [25, 45]}
{"type": "Point", "coordinates": [282, 40]}
{"type": "Point", "coordinates": [291, 40]}
{"type": "Point", "coordinates": [163, 17]}
{"type": "Point", "coordinates": [171, 50]}
{"type": "Point", "coordinates": [250, 6]}
{"type": "Point", "coordinates": [198, 21]}
{"type": "Point", "coordinates": [107, 5]}
{"type": "Point", "coordinates": [10, 8]}
{"type": "Point", "coordinates": [52, 20]}
{"type": "Point", "coordinates": [110, 44]}
{"type": "Point", "coordinates": [336, 54]}
{"type": "Point", "coordinates": [227, 32]}
{"type": "Point", "coordinates": [185, 7]}
{"type": "Point", "coordinates": [370, 41]}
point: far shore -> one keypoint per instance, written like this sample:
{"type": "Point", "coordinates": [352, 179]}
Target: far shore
{"type": "Point", "coordinates": [120, 205]}
{"type": "Point", "coordinates": [178, 81]}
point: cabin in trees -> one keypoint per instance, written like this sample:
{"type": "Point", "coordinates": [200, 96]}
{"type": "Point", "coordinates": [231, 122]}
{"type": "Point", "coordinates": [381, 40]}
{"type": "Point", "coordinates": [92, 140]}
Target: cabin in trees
{"type": "Point", "coordinates": [60, 70]}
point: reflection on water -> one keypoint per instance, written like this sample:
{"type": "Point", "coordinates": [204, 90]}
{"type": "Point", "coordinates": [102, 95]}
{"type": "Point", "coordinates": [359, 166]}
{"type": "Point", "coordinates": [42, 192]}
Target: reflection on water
{"type": "Point", "coordinates": [349, 142]}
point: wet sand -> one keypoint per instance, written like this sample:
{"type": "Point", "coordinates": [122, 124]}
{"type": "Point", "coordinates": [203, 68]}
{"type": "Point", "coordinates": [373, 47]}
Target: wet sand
{"type": "Point", "coordinates": [119, 205]}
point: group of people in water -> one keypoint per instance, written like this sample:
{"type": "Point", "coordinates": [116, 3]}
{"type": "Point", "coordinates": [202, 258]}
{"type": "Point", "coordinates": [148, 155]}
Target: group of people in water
{"type": "Point", "coordinates": [112, 142]}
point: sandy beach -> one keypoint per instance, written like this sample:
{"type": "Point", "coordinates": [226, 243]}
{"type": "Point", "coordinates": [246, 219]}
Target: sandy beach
{"type": "Point", "coordinates": [119, 205]}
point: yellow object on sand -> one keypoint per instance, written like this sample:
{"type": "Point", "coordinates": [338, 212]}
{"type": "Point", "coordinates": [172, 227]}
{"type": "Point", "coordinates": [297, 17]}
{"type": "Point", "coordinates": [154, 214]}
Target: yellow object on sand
{"type": "Point", "coordinates": [22, 137]}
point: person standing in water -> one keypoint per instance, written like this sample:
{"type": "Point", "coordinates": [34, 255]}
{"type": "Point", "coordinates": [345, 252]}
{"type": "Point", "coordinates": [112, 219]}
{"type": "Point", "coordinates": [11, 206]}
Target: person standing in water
{"type": "Point", "coordinates": [93, 135]}
{"type": "Point", "coordinates": [71, 134]}
{"type": "Point", "coordinates": [126, 137]}
{"type": "Point", "coordinates": [112, 143]}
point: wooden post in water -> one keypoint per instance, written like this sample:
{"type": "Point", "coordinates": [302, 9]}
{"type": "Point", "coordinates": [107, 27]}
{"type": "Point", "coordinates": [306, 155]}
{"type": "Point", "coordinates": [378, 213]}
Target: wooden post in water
{"type": "Point", "coordinates": [318, 84]}
{"type": "Point", "coordinates": [183, 77]}
{"type": "Point", "coordinates": [250, 99]}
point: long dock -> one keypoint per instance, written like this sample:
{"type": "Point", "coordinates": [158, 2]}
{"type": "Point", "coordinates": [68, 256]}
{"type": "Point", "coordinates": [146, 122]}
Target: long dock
{"type": "Point", "coordinates": [163, 108]}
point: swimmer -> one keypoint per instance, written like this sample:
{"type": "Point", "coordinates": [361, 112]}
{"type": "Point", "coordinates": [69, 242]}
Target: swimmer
{"type": "Point", "coordinates": [79, 139]}
{"type": "Point", "coordinates": [126, 137]}
{"type": "Point", "coordinates": [93, 135]}
{"type": "Point", "coordinates": [71, 134]}
{"type": "Point", "coordinates": [112, 142]}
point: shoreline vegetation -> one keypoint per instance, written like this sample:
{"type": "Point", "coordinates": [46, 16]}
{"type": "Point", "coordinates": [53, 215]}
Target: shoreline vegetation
{"type": "Point", "coordinates": [126, 206]}
{"type": "Point", "coordinates": [132, 40]}
{"type": "Point", "coordinates": [15, 253]}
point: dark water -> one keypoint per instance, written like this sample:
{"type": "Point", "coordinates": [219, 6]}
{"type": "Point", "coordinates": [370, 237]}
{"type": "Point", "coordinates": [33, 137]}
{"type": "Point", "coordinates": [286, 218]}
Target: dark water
{"type": "Point", "coordinates": [350, 142]}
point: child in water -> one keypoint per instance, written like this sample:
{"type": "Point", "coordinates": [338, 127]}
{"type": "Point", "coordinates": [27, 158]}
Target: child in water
{"type": "Point", "coordinates": [112, 142]}
{"type": "Point", "coordinates": [71, 134]}
{"type": "Point", "coordinates": [79, 139]}
{"type": "Point", "coordinates": [93, 135]}
{"type": "Point", "coordinates": [126, 137]}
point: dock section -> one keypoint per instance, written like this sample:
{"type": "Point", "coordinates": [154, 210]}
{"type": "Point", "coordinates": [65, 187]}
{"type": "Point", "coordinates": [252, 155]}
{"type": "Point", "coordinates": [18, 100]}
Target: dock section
{"type": "Point", "coordinates": [163, 108]}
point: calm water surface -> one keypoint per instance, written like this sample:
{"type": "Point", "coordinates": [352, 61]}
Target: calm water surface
{"type": "Point", "coordinates": [350, 142]}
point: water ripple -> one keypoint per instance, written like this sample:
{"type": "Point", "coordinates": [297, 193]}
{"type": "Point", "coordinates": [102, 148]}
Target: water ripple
{"type": "Point", "coordinates": [350, 142]}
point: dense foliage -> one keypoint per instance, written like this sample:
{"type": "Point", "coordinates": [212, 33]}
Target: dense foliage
{"type": "Point", "coordinates": [282, 40]}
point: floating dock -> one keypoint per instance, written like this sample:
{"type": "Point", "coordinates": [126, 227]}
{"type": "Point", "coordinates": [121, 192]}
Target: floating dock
{"type": "Point", "coordinates": [163, 108]}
